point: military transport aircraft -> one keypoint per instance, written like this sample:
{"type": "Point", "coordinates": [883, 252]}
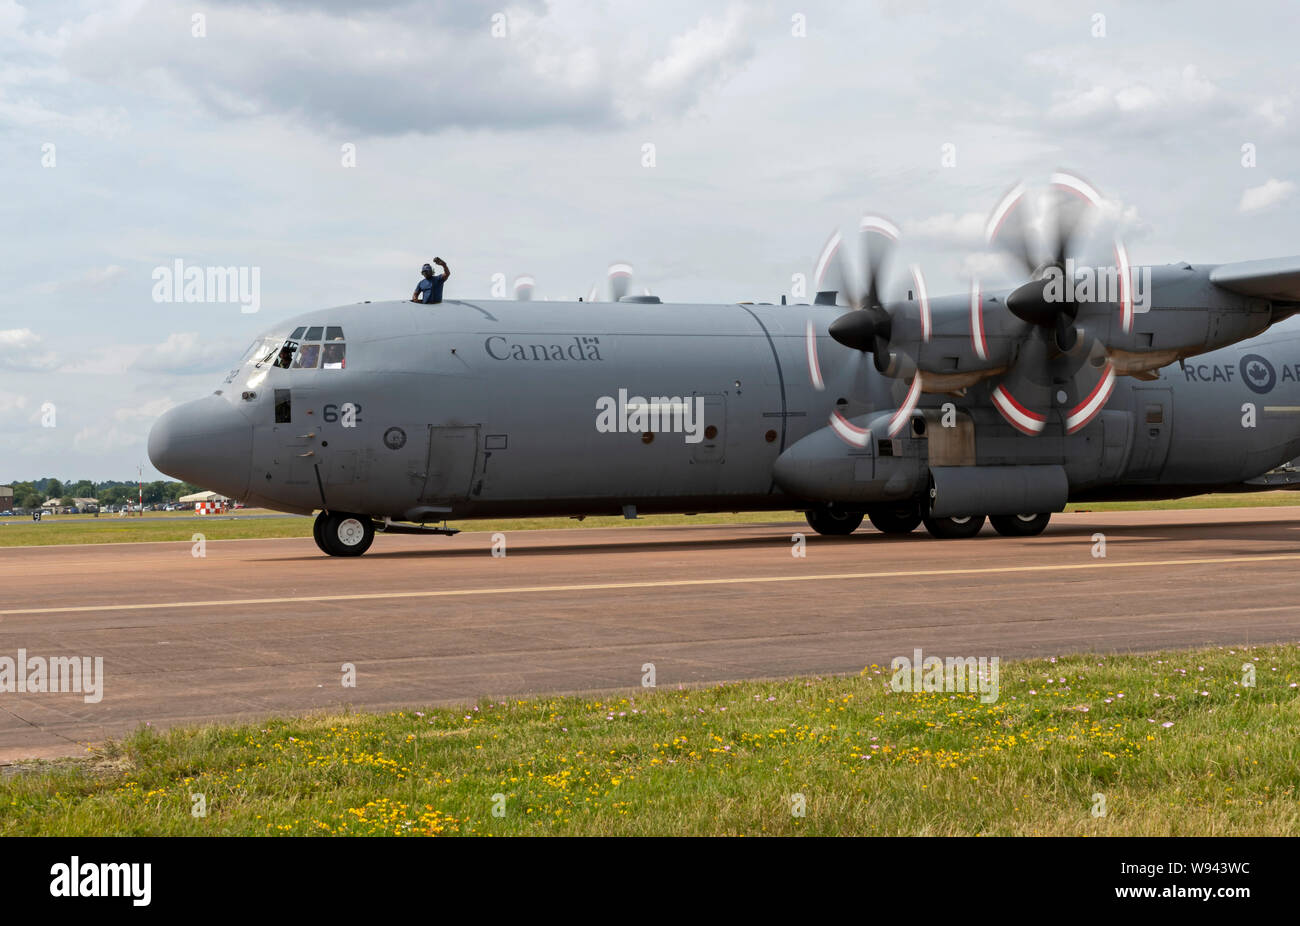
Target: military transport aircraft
{"type": "Point", "coordinates": [1078, 384]}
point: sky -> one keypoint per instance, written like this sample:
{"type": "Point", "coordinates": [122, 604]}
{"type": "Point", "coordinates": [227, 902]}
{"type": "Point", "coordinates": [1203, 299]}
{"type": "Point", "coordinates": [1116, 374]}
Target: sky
{"type": "Point", "coordinates": [334, 147]}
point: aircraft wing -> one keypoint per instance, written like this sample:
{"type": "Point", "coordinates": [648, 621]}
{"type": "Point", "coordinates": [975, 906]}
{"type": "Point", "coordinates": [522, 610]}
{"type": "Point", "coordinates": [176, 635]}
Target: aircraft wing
{"type": "Point", "coordinates": [1276, 278]}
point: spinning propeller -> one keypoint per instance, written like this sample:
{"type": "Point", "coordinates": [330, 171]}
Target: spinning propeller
{"type": "Point", "coordinates": [1061, 360]}
{"type": "Point", "coordinates": [893, 335]}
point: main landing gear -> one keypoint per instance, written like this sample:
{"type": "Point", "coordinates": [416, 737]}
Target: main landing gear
{"type": "Point", "coordinates": [954, 528]}
{"type": "Point", "coordinates": [833, 522]}
{"type": "Point", "coordinates": [904, 517]}
{"type": "Point", "coordinates": [1020, 525]}
{"type": "Point", "coordinates": [339, 533]}
{"type": "Point", "coordinates": [899, 518]}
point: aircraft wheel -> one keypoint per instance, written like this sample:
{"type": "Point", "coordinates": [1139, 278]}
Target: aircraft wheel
{"type": "Point", "coordinates": [899, 519]}
{"type": "Point", "coordinates": [1020, 525]}
{"type": "Point", "coordinates": [954, 528]}
{"type": "Point", "coordinates": [315, 531]}
{"type": "Point", "coordinates": [339, 533]}
{"type": "Point", "coordinates": [833, 522]}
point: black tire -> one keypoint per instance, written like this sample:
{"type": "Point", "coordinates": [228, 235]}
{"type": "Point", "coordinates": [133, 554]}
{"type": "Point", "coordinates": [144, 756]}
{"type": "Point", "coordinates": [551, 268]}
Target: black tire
{"type": "Point", "coordinates": [954, 528]}
{"type": "Point", "coordinates": [1020, 525]}
{"type": "Point", "coordinates": [344, 534]}
{"type": "Point", "coordinates": [833, 522]}
{"type": "Point", "coordinates": [316, 532]}
{"type": "Point", "coordinates": [895, 519]}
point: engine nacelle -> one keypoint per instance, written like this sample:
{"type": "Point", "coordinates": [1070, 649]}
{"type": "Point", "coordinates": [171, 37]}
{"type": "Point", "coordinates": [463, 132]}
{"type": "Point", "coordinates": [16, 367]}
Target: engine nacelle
{"type": "Point", "coordinates": [824, 467]}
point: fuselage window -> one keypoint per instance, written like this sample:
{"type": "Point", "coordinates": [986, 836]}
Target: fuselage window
{"type": "Point", "coordinates": [314, 333]}
{"type": "Point", "coordinates": [333, 333]}
{"type": "Point", "coordinates": [298, 333]}
{"type": "Point", "coordinates": [283, 408]}
{"type": "Point", "coordinates": [334, 357]}
{"type": "Point", "coordinates": [308, 354]}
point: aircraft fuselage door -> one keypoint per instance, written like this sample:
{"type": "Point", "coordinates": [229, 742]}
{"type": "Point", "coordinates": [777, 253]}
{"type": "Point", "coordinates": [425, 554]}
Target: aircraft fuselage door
{"type": "Point", "coordinates": [1153, 407]}
{"type": "Point", "coordinates": [453, 458]}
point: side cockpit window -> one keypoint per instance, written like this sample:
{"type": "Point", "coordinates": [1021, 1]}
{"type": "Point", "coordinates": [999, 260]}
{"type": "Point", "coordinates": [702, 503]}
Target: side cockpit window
{"type": "Point", "coordinates": [307, 357]}
{"type": "Point", "coordinates": [334, 356]}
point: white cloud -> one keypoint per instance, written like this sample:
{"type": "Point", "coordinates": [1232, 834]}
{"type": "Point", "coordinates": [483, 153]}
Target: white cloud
{"type": "Point", "coordinates": [127, 428]}
{"type": "Point", "coordinates": [24, 349]}
{"type": "Point", "coordinates": [964, 230]}
{"type": "Point", "coordinates": [1266, 195]}
{"type": "Point", "coordinates": [699, 56]}
{"type": "Point", "coordinates": [186, 352]}
{"type": "Point", "coordinates": [1120, 93]}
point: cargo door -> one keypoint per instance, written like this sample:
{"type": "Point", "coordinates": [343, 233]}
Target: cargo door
{"type": "Point", "coordinates": [452, 463]}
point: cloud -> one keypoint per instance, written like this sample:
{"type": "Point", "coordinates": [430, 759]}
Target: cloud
{"type": "Point", "coordinates": [96, 278]}
{"type": "Point", "coordinates": [965, 230]}
{"type": "Point", "coordinates": [24, 349]}
{"type": "Point", "coordinates": [406, 68]}
{"type": "Point", "coordinates": [186, 352]}
{"type": "Point", "coordinates": [15, 410]}
{"type": "Point", "coordinates": [1266, 195]}
{"type": "Point", "coordinates": [127, 427]}
{"type": "Point", "coordinates": [1122, 95]}
{"type": "Point", "coordinates": [701, 56]}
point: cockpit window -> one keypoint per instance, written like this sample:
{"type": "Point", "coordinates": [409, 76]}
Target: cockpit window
{"type": "Point", "coordinates": [307, 357]}
{"type": "Point", "coordinates": [266, 352]}
{"type": "Point", "coordinates": [300, 351]}
{"type": "Point", "coordinates": [334, 357]}
{"type": "Point", "coordinates": [285, 355]}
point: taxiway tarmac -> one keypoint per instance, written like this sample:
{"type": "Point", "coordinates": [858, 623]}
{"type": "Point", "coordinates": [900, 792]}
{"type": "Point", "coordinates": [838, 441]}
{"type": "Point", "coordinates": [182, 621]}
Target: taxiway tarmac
{"type": "Point", "coordinates": [262, 627]}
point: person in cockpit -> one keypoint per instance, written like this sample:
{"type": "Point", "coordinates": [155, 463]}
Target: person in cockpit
{"type": "Point", "coordinates": [429, 290]}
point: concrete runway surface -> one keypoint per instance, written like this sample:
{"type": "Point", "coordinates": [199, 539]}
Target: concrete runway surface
{"type": "Point", "coordinates": [262, 627]}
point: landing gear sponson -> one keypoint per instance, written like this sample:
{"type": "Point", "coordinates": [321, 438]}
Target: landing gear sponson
{"type": "Point", "coordinates": [904, 517]}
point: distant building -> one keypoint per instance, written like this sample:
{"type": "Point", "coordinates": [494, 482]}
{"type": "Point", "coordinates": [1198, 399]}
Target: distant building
{"type": "Point", "coordinates": [6, 498]}
{"type": "Point", "coordinates": [86, 505]}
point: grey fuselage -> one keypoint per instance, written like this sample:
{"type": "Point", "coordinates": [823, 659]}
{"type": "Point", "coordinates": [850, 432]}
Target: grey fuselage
{"type": "Point", "coordinates": [475, 409]}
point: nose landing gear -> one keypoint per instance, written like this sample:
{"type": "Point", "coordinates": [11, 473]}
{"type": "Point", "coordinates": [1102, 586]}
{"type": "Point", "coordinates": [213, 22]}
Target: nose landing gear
{"type": "Point", "coordinates": [339, 533]}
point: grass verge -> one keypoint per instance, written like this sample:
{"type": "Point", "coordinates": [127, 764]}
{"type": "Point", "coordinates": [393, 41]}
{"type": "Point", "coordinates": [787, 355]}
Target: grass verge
{"type": "Point", "coordinates": [19, 533]}
{"type": "Point", "coordinates": [1173, 743]}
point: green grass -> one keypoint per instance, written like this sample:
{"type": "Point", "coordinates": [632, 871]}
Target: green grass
{"type": "Point", "coordinates": [729, 759]}
{"type": "Point", "coordinates": [16, 532]}
{"type": "Point", "coordinates": [181, 526]}
{"type": "Point", "coordinates": [1269, 498]}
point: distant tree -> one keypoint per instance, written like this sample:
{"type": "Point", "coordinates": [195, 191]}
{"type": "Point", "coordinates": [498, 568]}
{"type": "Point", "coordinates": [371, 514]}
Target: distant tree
{"type": "Point", "coordinates": [68, 501]}
{"type": "Point", "coordinates": [83, 489]}
{"type": "Point", "coordinates": [53, 488]}
{"type": "Point", "coordinates": [33, 500]}
{"type": "Point", "coordinates": [114, 495]}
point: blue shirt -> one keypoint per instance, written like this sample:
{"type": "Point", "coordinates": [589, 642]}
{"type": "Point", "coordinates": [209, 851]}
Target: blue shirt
{"type": "Point", "coordinates": [430, 290]}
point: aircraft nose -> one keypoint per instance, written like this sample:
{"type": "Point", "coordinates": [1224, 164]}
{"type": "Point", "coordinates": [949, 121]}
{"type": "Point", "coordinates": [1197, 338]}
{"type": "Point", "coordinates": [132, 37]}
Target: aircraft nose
{"type": "Point", "coordinates": [206, 442]}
